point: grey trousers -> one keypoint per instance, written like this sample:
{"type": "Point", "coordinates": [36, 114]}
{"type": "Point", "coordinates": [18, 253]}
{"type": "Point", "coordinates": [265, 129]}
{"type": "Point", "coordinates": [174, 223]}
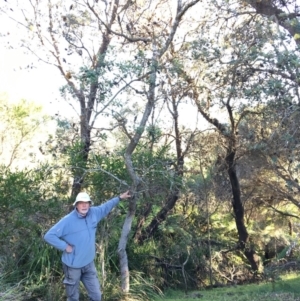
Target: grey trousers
{"type": "Point", "coordinates": [88, 276]}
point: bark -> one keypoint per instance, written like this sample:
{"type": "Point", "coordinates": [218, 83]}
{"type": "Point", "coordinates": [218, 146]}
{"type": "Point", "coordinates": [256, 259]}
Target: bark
{"type": "Point", "coordinates": [125, 280]}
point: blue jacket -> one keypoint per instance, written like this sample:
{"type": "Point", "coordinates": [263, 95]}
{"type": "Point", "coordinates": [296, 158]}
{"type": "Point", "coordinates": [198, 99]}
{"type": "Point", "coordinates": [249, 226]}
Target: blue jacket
{"type": "Point", "coordinates": [79, 232]}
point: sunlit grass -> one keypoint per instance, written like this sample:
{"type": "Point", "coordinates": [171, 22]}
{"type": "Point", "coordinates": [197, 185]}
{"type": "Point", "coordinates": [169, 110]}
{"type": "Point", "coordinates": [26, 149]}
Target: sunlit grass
{"type": "Point", "coordinates": [286, 289]}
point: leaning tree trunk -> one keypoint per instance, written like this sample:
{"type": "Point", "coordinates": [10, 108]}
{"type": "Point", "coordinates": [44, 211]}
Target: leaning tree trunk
{"type": "Point", "coordinates": [159, 218]}
{"type": "Point", "coordinates": [158, 51]}
{"type": "Point", "coordinates": [125, 284]}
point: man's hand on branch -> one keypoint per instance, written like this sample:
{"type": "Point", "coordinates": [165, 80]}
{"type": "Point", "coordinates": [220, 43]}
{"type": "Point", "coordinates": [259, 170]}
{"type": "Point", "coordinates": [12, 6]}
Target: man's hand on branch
{"type": "Point", "coordinates": [125, 195]}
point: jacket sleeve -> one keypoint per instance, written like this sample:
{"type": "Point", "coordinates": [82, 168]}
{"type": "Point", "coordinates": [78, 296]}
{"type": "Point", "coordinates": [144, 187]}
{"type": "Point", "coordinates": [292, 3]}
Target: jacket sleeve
{"type": "Point", "coordinates": [54, 234]}
{"type": "Point", "coordinates": [104, 209]}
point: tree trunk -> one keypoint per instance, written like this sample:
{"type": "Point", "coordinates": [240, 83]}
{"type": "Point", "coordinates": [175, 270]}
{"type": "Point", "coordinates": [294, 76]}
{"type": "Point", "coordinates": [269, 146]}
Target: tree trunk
{"type": "Point", "coordinates": [238, 209]}
{"type": "Point", "coordinates": [125, 280]}
{"type": "Point", "coordinates": [157, 52]}
{"type": "Point", "coordinates": [237, 205]}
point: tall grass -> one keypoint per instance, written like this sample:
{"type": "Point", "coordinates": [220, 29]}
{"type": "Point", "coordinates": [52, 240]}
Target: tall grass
{"type": "Point", "coordinates": [14, 292]}
{"type": "Point", "coordinates": [287, 289]}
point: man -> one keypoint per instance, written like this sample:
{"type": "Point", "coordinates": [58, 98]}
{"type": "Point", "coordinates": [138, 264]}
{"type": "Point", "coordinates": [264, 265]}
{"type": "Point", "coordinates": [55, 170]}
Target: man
{"type": "Point", "coordinates": [75, 235]}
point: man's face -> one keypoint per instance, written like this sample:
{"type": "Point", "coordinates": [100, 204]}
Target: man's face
{"type": "Point", "coordinates": [83, 207]}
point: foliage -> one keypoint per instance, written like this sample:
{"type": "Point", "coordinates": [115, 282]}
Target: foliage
{"type": "Point", "coordinates": [29, 201]}
{"type": "Point", "coordinates": [126, 65]}
{"type": "Point", "coordinates": [22, 131]}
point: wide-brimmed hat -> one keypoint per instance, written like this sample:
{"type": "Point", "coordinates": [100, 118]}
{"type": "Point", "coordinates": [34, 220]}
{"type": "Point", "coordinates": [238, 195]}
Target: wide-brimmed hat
{"type": "Point", "coordinates": [82, 197]}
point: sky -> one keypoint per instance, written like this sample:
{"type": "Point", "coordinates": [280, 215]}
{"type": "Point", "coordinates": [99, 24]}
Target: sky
{"type": "Point", "coordinates": [21, 77]}
{"type": "Point", "coordinates": [39, 84]}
